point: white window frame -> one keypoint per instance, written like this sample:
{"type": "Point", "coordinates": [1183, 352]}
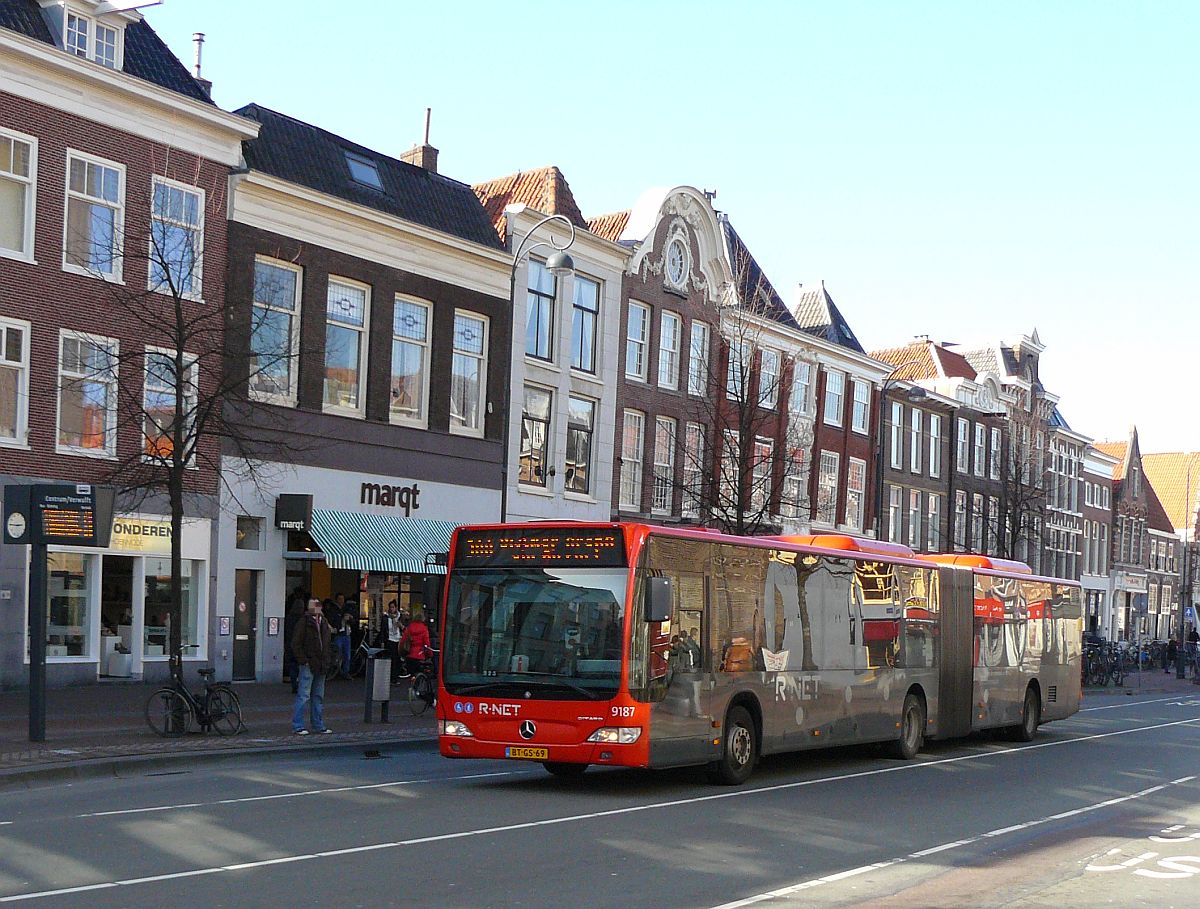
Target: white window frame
{"type": "Point", "coordinates": [792, 496]}
{"type": "Point", "coordinates": [196, 291]}
{"type": "Point", "coordinates": [768, 377]}
{"type": "Point", "coordinates": [935, 445]}
{"type": "Point", "coordinates": [91, 42]}
{"type": "Point", "coordinates": [977, 521]}
{"type": "Point", "coordinates": [962, 445]}
{"type": "Point", "coordinates": [192, 381]}
{"type": "Point", "coordinates": [862, 406]}
{"type": "Point", "coordinates": [550, 301]}
{"type": "Point", "coordinates": [914, 441]}
{"type": "Point", "coordinates": [294, 341]}
{"type": "Point", "coordinates": [994, 454]}
{"type": "Point", "coordinates": [856, 490]}
{"type": "Point", "coordinates": [580, 315]}
{"type": "Point", "coordinates": [668, 355]}
{"type": "Point", "coordinates": [115, 276]}
{"type": "Point", "coordinates": [835, 401]}
{"type": "Point", "coordinates": [800, 400]}
{"type": "Point", "coordinates": [20, 439]}
{"type": "Point", "coordinates": [762, 460]}
{"type": "Point", "coordinates": [827, 487]}
{"type": "Point", "coordinates": [896, 436]}
{"type": "Point", "coordinates": [547, 448]}
{"type": "Point", "coordinates": [699, 344]}
{"type": "Point", "coordinates": [666, 434]}
{"type": "Point", "coordinates": [895, 513]}
{"type": "Point", "coordinates": [992, 525]}
{"type": "Point", "coordinates": [110, 426]}
{"type": "Point", "coordinates": [980, 448]}
{"type": "Point", "coordinates": [364, 335]}
{"type": "Point", "coordinates": [737, 371]}
{"type": "Point", "coordinates": [933, 521]}
{"type": "Point", "coordinates": [692, 474]}
{"type": "Point", "coordinates": [30, 182]}
{"type": "Point", "coordinates": [426, 345]}
{"type": "Point", "coordinates": [482, 358]}
{"type": "Point", "coordinates": [633, 458]}
{"type": "Point", "coordinates": [961, 517]}
{"type": "Point", "coordinates": [640, 344]}
{"type": "Point", "coordinates": [914, 519]}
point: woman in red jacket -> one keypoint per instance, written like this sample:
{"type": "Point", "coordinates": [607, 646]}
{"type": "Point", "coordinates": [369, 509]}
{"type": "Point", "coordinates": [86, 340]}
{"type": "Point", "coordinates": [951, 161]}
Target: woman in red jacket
{"type": "Point", "coordinates": [415, 642]}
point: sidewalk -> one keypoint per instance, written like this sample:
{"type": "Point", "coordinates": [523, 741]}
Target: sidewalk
{"type": "Point", "coordinates": [92, 728]}
{"type": "Point", "coordinates": [1149, 681]}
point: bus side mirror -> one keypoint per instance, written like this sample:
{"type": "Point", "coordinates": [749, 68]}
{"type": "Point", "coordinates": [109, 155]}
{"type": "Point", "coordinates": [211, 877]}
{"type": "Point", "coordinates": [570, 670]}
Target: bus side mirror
{"type": "Point", "coordinates": [657, 605]}
{"type": "Point", "coordinates": [431, 594]}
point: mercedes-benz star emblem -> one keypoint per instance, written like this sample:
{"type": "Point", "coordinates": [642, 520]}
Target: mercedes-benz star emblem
{"type": "Point", "coordinates": [528, 729]}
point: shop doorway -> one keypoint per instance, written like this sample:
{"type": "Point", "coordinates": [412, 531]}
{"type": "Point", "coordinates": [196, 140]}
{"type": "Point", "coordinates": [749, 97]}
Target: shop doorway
{"type": "Point", "coordinates": [116, 612]}
{"type": "Point", "coordinates": [245, 624]}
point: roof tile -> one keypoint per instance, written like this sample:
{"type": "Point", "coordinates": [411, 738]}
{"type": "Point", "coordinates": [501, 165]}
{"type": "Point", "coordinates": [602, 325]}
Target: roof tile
{"type": "Point", "coordinates": [1175, 477]}
{"type": "Point", "coordinates": [817, 314]}
{"type": "Point", "coordinates": [544, 189]}
{"type": "Point", "coordinates": [610, 227]}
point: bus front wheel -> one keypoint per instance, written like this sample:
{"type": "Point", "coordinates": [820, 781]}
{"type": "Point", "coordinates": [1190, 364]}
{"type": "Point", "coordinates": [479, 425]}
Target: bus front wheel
{"type": "Point", "coordinates": [912, 729]}
{"type": "Point", "coordinates": [739, 751]}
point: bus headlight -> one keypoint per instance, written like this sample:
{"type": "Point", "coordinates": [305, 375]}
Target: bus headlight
{"type": "Point", "coordinates": [616, 735]}
{"type": "Point", "coordinates": [454, 727]}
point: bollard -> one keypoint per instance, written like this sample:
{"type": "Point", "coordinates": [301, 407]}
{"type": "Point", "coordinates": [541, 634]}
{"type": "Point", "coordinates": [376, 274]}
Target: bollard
{"type": "Point", "coordinates": [378, 684]}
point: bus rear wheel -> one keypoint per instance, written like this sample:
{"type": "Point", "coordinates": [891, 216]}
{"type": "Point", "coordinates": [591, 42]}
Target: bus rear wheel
{"type": "Point", "coordinates": [559, 768]}
{"type": "Point", "coordinates": [1031, 717]}
{"type": "Point", "coordinates": [912, 729]}
{"type": "Point", "coordinates": [739, 751]}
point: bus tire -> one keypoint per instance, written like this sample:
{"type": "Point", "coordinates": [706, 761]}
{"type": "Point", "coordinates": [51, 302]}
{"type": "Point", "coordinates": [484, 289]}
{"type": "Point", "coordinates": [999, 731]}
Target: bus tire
{"type": "Point", "coordinates": [562, 769]}
{"type": "Point", "coordinates": [1031, 717]}
{"type": "Point", "coordinates": [912, 728]}
{"type": "Point", "coordinates": [739, 750]}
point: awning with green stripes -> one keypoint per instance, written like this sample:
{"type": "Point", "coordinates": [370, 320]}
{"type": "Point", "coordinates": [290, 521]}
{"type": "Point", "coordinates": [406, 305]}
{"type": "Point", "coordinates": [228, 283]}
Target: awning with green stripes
{"type": "Point", "coordinates": [380, 542]}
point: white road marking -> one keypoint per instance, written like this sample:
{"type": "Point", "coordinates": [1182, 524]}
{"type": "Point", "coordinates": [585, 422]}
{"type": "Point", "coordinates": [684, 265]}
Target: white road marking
{"type": "Point", "coordinates": [945, 847]}
{"type": "Point", "coordinates": [292, 795]}
{"type": "Point", "coordinates": [634, 809]}
{"type": "Point", "coordinates": [1174, 697]}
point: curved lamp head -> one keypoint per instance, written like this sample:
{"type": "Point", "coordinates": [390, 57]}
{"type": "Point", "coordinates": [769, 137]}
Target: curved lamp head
{"type": "Point", "coordinates": [559, 264]}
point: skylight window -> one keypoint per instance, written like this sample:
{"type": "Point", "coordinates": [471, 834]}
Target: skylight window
{"type": "Point", "coordinates": [363, 171]}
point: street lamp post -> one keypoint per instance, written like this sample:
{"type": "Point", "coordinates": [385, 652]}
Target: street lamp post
{"type": "Point", "coordinates": [915, 393]}
{"type": "Point", "coordinates": [1185, 593]}
{"type": "Point", "coordinates": [559, 264]}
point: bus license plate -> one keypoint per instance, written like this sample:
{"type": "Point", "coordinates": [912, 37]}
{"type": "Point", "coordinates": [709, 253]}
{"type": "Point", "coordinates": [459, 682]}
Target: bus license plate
{"type": "Point", "coordinates": [528, 754]}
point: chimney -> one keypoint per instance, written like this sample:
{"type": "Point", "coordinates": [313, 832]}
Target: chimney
{"type": "Point", "coordinates": [424, 155]}
{"type": "Point", "coordinates": [198, 42]}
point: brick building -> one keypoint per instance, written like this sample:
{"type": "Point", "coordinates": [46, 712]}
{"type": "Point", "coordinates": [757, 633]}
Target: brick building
{"type": "Point", "coordinates": [369, 299]}
{"type": "Point", "coordinates": [1129, 587]}
{"type": "Point", "coordinates": [107, 142]}
{"type": "Point", "coordinates": [1096, 506]}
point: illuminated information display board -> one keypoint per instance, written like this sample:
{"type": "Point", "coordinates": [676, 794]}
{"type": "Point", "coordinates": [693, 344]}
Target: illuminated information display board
{"type": "Point", "coordinates": [580, 547]}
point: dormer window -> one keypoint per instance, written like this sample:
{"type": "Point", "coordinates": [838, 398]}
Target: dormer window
{"type": "Point", "coordinates": [364, 171]}
{"type": "Point", "coordinates": [86, 36]}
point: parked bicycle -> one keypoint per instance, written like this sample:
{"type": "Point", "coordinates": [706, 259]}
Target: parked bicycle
{"type": "Point", "coordinates": [422, 688]}
{"type": "Point", "coordinates": [171, 710]}
{"type": "Point", "coordinates": [358, 661]}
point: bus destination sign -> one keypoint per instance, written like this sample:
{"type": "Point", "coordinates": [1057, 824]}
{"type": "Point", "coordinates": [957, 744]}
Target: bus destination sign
{"type": "Point", "coordinates": [541, 548]}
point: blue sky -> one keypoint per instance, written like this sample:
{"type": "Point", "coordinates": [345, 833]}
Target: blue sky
{"type": "Point", "coordinates": [965, 171]}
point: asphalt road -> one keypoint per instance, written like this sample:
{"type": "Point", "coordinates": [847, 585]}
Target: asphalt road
{"type": "Point", "coordinates": [1103, 809]}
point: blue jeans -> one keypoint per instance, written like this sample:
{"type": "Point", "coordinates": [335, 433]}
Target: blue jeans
{"type": "Point", "coordinates": [311, 692]}
{"type": "Point", "coordinates": [341, 643]}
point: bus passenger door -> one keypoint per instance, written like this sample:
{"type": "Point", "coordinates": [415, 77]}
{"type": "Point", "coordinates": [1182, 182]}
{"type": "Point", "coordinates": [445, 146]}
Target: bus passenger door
{"type": "Point", "coordinates": [956, 655]}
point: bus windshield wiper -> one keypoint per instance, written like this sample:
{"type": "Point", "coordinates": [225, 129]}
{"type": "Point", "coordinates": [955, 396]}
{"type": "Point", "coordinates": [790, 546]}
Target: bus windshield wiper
{"type": "Point", "coordinates": [556, 680]}
{"type": "Point", "coordinates": [553, 681]}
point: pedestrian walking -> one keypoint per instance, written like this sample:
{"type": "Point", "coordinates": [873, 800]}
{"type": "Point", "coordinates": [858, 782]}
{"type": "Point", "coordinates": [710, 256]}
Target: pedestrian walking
{"type": "Point", "coordinates": [391, 642]}
{"type": "Point", "coordinates": [341, 635]}
{"type": "Point", "coordinates": [1172, 655]}
{"type": "Point", "coordinates": [313, 651]}
{"type": "Point", "coordinates": [294, 613]}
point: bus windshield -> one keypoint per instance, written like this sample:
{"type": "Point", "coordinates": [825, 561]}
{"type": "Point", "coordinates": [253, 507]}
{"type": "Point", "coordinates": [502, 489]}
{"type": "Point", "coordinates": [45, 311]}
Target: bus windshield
{"type": "Point", "coordinates": [553, 631]}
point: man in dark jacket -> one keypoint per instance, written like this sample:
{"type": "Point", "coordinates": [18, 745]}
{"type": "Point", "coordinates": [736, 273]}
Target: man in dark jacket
{"type": "Point", "coordinates": [311, 648]}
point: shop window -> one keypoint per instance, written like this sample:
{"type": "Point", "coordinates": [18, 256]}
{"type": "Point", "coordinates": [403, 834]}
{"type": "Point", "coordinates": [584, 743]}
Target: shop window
{"type": "Point", "coordinates": [69, 605]}
{"type": "Point", "coordinates": [157, 631]}
{"type": "Point", "coordinates": [249, 532]}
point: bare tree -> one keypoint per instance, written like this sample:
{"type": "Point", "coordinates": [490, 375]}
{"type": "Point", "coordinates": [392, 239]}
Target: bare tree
{"type": "Point", "coordinates": [169, 431]}
{"type": "Point", "coordinates": [745, 452]}
{"type": "Point", "coordinates": [1018, 526]}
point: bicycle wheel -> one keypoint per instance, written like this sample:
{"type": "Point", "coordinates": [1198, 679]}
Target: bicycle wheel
{"type": "Point", "coordinates": [224, 712]}
{"type": "Point", "coordinates": [420, 694]}
{"type": "Point", "coordinates": [168, 713]}
{"type": "Point", "coordinates": [333, 670]}
{"type": "Point", "coordinates": [358, 663]}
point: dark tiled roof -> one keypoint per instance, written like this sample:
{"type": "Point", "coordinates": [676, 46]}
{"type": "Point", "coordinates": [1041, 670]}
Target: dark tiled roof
{"type": "Point", "coordinates": [301, 153]}
{"type": "Point", "coordinates": [544, 189]}
{"type": "Point", "coordinates": [818, 315]}
{"type": "Point", "coordinates": [755, 292]}
{"type": "Point", "coordinates": [146, 57]}
{"type": "Point", "coordinates": [1058, 421]}
{"type": "Point", "coordinates": [610, 227]}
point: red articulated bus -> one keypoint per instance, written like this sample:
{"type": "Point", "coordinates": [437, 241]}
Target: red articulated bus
{"type": "Point", "coordinates": [633, 645]}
